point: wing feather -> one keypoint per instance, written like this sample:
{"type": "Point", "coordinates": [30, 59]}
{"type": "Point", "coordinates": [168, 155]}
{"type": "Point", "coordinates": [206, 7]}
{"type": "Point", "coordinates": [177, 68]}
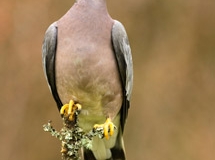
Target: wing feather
{"type": "Point", "coordinates": [48, 57]}
{"type": "Point", "coordinates": [123, 55]}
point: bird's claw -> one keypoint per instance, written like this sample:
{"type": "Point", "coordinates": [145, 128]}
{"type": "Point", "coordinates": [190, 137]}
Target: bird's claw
{"type": "Point", "coordinates": [68, 110]}
{"type": "Point", "coordinates": [108, 128]}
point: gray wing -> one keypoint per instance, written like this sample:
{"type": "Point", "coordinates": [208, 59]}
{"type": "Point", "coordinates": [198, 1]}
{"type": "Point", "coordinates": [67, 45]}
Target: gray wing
{"type": "Point", "coordinates": [48, 58]}
{"type": "Point", "coordinates": [123, 55]}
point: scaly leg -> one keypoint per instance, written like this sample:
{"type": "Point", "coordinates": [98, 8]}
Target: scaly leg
{"type": "Point", "coordinates": [68, 110]}
{"type": "Point", "coordinates": [108, 128]}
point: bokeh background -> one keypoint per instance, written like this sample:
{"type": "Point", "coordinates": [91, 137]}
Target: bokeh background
{"type": "Point", "coordinates": [172, 115]}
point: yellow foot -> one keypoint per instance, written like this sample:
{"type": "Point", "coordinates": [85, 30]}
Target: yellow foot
{"type": "Point", "coordinates": [68, 110]}
{"type": "Point", "coordinates": [108, 128]}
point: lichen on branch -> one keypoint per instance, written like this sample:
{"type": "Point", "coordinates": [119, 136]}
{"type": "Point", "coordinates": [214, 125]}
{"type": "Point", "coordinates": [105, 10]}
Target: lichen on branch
{"type": "Point", "coordinates": [72, 137]}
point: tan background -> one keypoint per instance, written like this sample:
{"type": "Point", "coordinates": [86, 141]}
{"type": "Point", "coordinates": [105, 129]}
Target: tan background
{"type": "Point", "coordinates": [172, 116]}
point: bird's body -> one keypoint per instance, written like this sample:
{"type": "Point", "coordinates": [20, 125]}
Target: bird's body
{"type": "Point", "coordinates": [85, 51]}
{"type": "Point", "coordinates": [87, 70]}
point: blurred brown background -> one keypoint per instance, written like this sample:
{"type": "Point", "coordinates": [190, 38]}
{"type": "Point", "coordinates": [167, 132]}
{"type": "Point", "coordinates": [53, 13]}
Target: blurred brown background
{"type": "Point", "coordinates": [172, 116]}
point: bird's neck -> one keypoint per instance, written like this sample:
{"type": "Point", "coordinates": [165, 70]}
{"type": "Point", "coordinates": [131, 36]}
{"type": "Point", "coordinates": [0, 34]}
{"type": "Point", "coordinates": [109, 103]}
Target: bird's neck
{"type": "Point", "coordinates": [95, 4]}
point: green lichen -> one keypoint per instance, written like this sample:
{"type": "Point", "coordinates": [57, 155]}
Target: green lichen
{"type": "Point", "coordinates": [72, 137]}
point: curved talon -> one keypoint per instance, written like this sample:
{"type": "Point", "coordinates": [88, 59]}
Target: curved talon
{"type": "Point", "coordinates": [78, 106]}
{"type": "Point", "coordinates": [64, 109]}
{"type": "Point", "coordinates": [68, 110]}
{"type": "Point", "coordinates": [112, 127]}
{"type": "Point", "coordinates": [108, 128]}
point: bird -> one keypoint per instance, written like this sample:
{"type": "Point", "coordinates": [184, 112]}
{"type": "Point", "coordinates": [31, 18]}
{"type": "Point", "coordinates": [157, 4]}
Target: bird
{"type": "Point", "coordinates": [87, 62]}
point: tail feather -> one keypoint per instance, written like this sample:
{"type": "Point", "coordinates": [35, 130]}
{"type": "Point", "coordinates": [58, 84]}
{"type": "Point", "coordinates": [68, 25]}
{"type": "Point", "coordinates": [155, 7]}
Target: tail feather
{"type": "Point", "coordinates": [88, 155]}
{"type": "Point", "coordinates": [117, 152]}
